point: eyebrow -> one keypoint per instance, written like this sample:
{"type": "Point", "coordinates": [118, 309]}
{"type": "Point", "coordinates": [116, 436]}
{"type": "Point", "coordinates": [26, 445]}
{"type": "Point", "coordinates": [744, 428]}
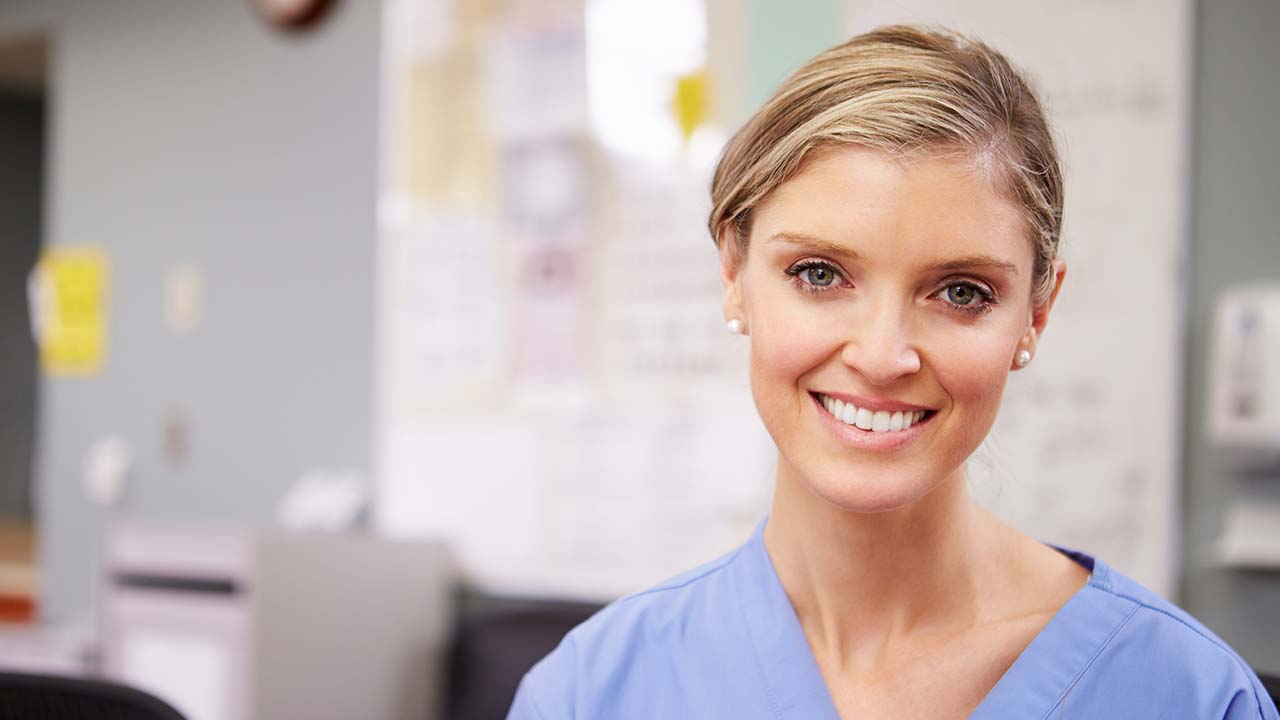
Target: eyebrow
{"type": "Point", "coordinates": [967, 262]}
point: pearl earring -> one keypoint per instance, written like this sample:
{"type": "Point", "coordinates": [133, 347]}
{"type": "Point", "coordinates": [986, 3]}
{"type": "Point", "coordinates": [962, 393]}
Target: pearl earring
{"type": "Point", "coordinates": [735, 326]}
{"type": "Point", "coordinates": [1023, 358]}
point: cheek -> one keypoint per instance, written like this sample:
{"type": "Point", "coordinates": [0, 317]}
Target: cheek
{"type": "Point", "coordinates": [787, 342]}
{"type": "Point", "coordinates": [973, 367]}
{"type": "Point", "coordinates": [786, 352]}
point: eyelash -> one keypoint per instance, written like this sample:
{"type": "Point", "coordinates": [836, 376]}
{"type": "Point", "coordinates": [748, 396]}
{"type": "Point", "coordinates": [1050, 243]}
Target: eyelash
{"type": "Point", "coordinates": [986, 297]}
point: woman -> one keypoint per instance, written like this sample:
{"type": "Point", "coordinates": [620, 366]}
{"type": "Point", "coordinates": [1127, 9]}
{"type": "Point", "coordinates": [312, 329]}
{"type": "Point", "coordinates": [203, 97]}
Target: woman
{"type": "Point", "coordinates": [888, 229]}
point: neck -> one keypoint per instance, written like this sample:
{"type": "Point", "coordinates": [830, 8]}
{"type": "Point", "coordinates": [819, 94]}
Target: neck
{"type": "Point", "coordinates": [860, 581]}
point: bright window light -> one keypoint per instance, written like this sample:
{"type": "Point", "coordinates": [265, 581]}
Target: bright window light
{"type": "Point", "coordinates": [635, 53]}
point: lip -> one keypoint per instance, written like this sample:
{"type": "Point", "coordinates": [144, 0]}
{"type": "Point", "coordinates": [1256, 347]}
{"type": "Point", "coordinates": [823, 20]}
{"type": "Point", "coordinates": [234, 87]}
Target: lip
{"type": "Point", "coordinates": [872, 404]}
{"type": "Point", "coordinates": [853, 436]}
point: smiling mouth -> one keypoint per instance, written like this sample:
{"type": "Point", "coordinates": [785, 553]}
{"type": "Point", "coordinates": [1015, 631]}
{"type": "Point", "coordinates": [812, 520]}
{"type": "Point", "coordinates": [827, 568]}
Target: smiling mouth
{"type": "Point", "coordinates": [879, 421]}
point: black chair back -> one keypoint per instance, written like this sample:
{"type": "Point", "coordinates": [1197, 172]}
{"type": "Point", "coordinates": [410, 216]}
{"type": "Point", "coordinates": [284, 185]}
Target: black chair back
{"type": "Point", "coordinates": [51, 697]}
{"type": "Point", "coordinates": [495, 645]}
{"type": "Point", "coordinates": [1272, 684]}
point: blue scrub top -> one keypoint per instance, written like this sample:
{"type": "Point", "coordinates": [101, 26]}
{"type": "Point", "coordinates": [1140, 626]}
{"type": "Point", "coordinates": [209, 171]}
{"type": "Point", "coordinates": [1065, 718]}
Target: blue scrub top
{"type": "Point", "coordinates": [722, 641]}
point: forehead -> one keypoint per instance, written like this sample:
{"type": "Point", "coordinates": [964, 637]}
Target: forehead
{"type": "Point", "coordinates": [923, 205]}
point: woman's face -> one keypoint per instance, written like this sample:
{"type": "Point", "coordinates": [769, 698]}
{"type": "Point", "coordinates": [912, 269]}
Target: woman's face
{"type": "Point", "coordinates": [886, 300]}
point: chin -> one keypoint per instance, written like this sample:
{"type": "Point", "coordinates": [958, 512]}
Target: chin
{"type": "Point", "coordinates": [868, 491]}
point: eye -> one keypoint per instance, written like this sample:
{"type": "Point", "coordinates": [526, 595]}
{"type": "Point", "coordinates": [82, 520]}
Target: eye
{"type": "Point", "coordinates": [820, 276]}
{"type": "Point", "coordinates": [814, 275]}
{"type": "Point", "coordinates": [961, 294]}
{"type": "Point", "coordinates": [967, 296]}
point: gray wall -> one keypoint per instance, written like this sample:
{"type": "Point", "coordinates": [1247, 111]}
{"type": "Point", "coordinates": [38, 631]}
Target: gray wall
{"type": "Point", "coordinates": [21, 186]}
{"type": "Point", "coordinates": [1236, 239]}
{"type": "Point", "coordinates": [186, 131]}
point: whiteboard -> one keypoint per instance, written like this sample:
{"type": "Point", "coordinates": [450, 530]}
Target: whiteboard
{"type": "Point", "coordinates": [1085, 451]}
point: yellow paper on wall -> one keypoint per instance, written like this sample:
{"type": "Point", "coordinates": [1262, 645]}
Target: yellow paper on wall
{"type": "Point", "coordinates": [69, 310]}
{"type": "Point", "coordinates": [691, 102]}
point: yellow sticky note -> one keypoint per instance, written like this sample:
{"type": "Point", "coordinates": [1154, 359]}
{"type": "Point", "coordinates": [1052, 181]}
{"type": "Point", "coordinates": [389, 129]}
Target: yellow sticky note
{"type": "Point", "coordinates": [70, 298]}
{"type": "Point", "coordinates": [691, 103]}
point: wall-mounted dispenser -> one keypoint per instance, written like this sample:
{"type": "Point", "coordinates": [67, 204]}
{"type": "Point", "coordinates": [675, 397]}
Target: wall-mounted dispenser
{"type": "Point", "coordinates": [1244, 377]}
{"type": "Point", "coordinates": [1244, 421]}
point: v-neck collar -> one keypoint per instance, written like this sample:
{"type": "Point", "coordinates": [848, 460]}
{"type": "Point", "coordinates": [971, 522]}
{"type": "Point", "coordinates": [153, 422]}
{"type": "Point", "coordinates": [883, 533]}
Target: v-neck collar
{"type": "Point", "coordinates": [792, 680]}
{"type": "Point", "coordinates": [1032, 687]}
{"type": "Point", "coordinates": [1048, 668]}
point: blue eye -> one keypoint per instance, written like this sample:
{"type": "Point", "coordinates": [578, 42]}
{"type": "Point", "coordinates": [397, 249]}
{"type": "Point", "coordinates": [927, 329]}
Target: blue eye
{"type": "Point", "coordinates": [814, 275]}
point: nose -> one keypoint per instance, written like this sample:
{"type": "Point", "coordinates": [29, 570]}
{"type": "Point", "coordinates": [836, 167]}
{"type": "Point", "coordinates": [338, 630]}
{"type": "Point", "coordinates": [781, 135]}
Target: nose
{"type": "Point", "coordinates": [879, 345]}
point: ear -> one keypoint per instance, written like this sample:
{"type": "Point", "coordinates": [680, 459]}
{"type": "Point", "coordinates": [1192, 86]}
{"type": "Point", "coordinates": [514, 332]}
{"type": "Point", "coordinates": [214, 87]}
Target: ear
{"type": "Point", "coordinates": [1038, 317]}
{"type": "Point", "coordinates": [732, 260]}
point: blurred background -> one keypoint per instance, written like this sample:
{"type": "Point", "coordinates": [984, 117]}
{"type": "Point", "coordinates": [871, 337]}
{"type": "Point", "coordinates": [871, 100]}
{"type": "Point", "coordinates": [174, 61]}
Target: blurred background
{"type": "Point", "coordinates": [354, 350]}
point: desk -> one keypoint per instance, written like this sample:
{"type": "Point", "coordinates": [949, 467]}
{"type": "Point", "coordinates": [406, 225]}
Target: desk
{"type": "Point", "coordinates": [234, 624]}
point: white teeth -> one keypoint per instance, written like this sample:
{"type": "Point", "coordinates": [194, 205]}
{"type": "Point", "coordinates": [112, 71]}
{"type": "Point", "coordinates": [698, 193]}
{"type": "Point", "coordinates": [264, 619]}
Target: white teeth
{"type": "Point", "coordinates": [878, 421]}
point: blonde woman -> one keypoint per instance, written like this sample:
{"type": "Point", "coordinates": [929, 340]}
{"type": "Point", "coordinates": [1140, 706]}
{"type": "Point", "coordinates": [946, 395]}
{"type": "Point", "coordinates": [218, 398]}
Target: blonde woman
{"type": "Point", "coordinates": [888, 228]}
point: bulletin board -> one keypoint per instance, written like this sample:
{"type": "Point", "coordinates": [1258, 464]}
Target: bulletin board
{"type": "Point", "coordinates": [556, 394]}
{"type": "Point", "coordinates": [558, 397]}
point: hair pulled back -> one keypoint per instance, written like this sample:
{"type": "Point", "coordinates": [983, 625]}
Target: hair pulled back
{"type": "Point", "coordinates": [901, 90]}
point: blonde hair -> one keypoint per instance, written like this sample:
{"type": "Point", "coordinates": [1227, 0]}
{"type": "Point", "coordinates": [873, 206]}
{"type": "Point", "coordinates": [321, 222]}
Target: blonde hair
{"type": "Point", "coordinates": [901, 89]}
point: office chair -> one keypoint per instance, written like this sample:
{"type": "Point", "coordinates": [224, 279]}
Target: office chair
{"type": "Point", "coordinates": [1272, 685]}
{"type": "Point", "coordinates": [51, 697]}
{"type": "Point", "coordinates": [495, 644]}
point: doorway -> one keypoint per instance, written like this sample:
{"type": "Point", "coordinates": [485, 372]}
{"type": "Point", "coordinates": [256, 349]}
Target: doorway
{"type": "Point", "coordinates": [23, 112]}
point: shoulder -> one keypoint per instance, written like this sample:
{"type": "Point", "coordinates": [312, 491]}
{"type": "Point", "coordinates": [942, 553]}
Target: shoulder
{"type": "Point", "coordinates": [641, 634]}
{"type": "Point", "coordinates": [1158, 644]}
{"type": "Point", "coordinates": [1163, 623]}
